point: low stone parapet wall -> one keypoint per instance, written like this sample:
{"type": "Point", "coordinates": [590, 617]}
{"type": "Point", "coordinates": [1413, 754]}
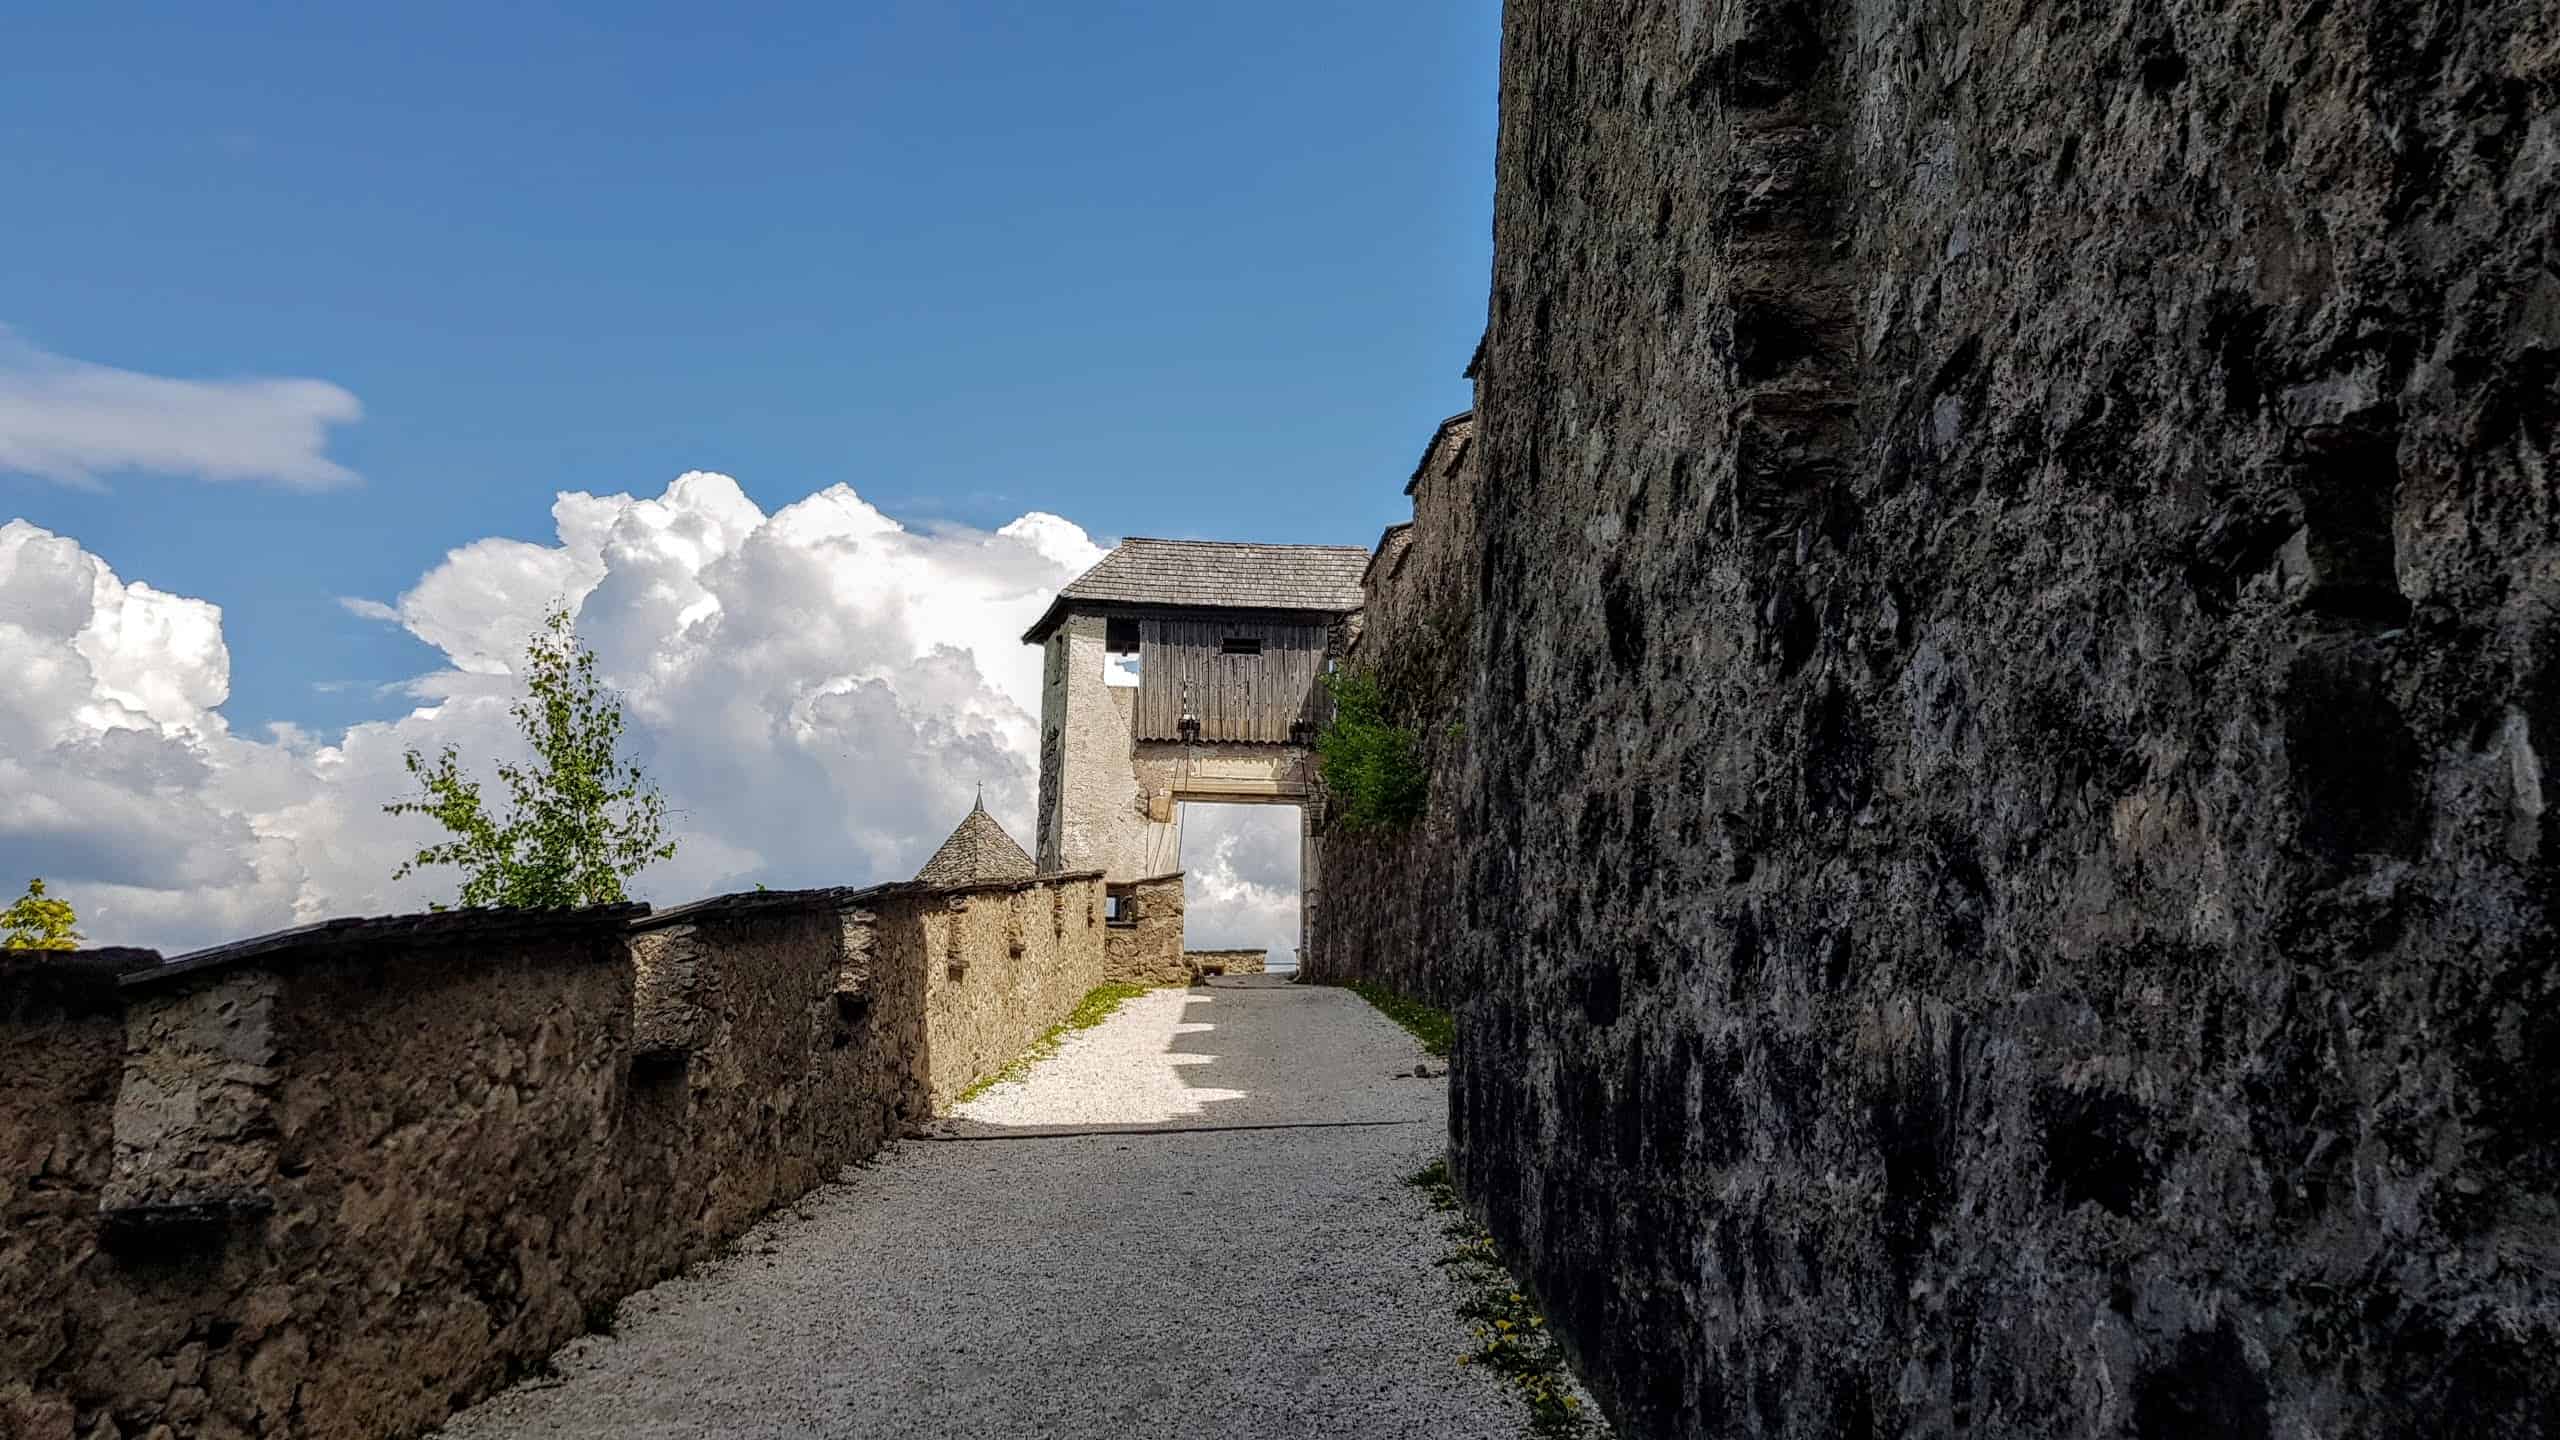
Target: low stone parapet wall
{"type": "Point", "coordinates": [333, 1180]}
{"type": "Point", "coordinates": [337, 1181]}
{"type": "Point", "coordinates": [1000, 964]}
{"type": "Point", "coordinates": [768, 1053]}
{"type": "Point", "coordinates": [1226, 962]}
{"type": "Point", "coordinates": [1143, 945]}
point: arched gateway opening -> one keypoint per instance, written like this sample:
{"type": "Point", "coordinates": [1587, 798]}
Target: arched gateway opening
{"type": "Point", "coordinates": [1183, 672]}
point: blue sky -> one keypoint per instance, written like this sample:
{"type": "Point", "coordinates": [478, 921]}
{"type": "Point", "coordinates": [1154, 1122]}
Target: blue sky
{"type": "Point", "coordinates": [1190, 268]}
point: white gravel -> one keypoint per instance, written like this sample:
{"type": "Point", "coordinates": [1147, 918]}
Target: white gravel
{"type": "Point", "coordinates": [1253, 1050]}
{"type": "Point", "coordinates": [1229, 1259]}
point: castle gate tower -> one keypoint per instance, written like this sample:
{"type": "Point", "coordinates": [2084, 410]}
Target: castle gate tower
{"type": "Point", "coordinates": [1186, 670]}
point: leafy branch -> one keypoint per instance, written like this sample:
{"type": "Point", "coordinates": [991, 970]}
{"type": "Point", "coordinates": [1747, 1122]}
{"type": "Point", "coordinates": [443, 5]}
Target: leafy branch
{"type": "Point", "coordinates": [1374, 769]}
{"type": "Point", "coordinates": [37, 921]}
{"type": "Point", "coordinates": [578, 822]}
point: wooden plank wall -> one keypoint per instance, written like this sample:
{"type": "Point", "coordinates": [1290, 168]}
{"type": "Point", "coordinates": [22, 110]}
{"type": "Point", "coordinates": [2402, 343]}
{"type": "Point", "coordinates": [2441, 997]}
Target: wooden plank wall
{"type": "Point", "coordinates": [1253, 698]}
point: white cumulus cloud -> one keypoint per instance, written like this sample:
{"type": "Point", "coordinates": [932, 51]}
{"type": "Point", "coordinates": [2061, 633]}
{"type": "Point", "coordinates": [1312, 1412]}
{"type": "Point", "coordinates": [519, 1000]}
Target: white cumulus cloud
{"type": "Point", "coordinates": [820, 691]}
{"type": "Point", "coordinates": [72, 421]}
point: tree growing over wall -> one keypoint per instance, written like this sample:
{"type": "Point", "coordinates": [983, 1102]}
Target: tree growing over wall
{"type": "Point", "coordinates": [1373, 768]}
{"type": "Point", "coordinates": [37, 921]}
{"type": "Point", "coordinates": [579, 820]}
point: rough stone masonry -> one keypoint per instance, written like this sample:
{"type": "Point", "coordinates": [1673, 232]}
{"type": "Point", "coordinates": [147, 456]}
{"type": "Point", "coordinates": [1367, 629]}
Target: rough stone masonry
{"type": "Point", "coordinates": [2020, 595]}
{"type": "Point", "coordinates": [335, 1182]}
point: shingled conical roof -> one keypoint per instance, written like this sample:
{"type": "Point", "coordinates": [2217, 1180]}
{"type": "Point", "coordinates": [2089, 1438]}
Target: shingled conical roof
{"type": "Point", "coordinates": [978, 853]}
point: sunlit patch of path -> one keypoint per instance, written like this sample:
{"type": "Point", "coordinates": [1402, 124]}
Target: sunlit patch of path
{"type": "Point", "coordinates": [1190, 1220]}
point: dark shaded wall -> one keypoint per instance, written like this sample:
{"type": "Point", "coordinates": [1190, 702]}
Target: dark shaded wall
{"type": "Point", "coordinates": [2020, 598]}
{"type": "Point", "coordinates": [1392, 899]}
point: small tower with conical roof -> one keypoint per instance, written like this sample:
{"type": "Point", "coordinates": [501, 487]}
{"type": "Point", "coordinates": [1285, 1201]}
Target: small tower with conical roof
{"type": "Point", "coordinates": [979, 852]}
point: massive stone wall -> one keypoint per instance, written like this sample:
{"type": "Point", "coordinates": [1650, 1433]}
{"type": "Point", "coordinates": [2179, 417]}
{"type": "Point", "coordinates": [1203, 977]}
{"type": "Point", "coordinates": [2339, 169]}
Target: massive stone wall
{"type": "Point", "coordinates": [1392, 898]}
{"type": "Point", "coordinates": [2019, 596]}
{"type": "Point", "coordinates": [335, 1182]}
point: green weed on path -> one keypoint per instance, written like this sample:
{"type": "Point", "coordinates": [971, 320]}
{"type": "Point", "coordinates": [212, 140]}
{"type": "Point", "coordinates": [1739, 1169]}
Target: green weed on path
{"type": "Point", "coordinates": [1436, 1029]}
{"type": "Point", "coordinates": [1092, 1010]}
{"type": "Point", "coordinates": [1511, 1336]}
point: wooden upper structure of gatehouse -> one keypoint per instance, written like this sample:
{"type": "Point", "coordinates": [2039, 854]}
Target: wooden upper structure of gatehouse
{"type": "Point", "coordinates": [1232, 641]}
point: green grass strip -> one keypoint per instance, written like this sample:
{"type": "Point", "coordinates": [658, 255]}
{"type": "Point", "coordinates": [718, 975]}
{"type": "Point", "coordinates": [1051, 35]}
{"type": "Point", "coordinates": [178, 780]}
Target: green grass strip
{"type": "Point", "coordinates": [1436, 1029]}
{"type": "Point", "coordinates": [1512, 1339]}
{"type": "Point", "coordinates": [1092, 1010]}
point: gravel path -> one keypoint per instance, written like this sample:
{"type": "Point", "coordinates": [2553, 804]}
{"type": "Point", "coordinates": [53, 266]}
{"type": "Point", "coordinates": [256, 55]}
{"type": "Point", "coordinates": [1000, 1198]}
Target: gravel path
{"type": "Point", "coordinates": [1234, 1255]}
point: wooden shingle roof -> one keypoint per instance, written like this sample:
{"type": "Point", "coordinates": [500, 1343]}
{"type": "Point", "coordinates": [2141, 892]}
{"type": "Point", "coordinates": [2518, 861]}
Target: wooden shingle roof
{"type": "Point", "coordinates": [1215, 575]}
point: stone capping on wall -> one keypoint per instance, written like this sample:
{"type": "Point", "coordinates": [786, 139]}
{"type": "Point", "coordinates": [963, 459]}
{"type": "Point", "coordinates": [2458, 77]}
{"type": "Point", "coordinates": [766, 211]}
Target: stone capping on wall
{"type": "Point", "coordinates": [1229, 960]}
{"type": "Point", "coordinates": [69, 974]}
{"type": "Point", "coordinates": [68, 983]}
{"type": "Point", "coordinates": [283, 949]}
{"type": "Point", "coordinates": [1441, 431]}
{"type": "Point", "coordinates": [761, 902]}
{"type": "Point", "coordinates": [1386, 542]}
{"type": "Point", "coordinates": [990, 887]}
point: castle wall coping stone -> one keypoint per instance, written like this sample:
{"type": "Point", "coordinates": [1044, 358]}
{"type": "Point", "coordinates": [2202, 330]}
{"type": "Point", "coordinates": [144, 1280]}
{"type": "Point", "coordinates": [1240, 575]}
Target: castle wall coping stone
{"type": "Point", "coordinates": [1386, 538]}
{"type": "Point", "coordinates": [1441, 431]}
{"type": "Point", "coordinates": [760, 902]}
{"type": "Point", "coordinates": [285, 948]}
{"type": "Point", "coordinates": [976, 887]}
{"type": "Point", "coordinates": [62, 976]}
